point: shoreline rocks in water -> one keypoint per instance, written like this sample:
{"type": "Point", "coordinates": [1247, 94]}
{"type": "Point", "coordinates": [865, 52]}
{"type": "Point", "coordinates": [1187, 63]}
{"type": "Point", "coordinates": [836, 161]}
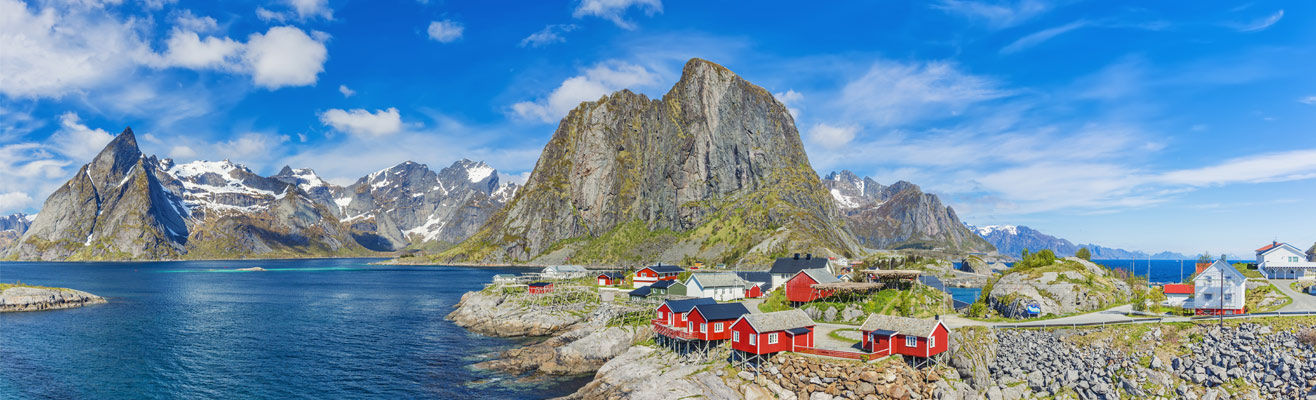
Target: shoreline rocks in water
{"type": "Point", "coordinates": [14, 298]}
{"type": "Point", "coordinates": [497, 315]}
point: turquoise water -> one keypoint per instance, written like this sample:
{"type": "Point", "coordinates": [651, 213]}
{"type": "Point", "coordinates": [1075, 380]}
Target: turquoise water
{"type": "Point", "coordinates": [336, 328]}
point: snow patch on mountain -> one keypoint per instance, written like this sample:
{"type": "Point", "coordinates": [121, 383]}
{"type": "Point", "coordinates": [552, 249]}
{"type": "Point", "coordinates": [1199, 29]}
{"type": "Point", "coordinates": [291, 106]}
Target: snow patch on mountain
{"type": "Point", "coordinates": [987, 230]}
{"type": "Point", "coordinates": [479, 172]}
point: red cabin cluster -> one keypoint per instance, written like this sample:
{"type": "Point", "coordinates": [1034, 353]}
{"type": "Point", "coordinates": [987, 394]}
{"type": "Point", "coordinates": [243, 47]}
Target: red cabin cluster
{"type": "Point", "coordinates": [800, 288]}
{"type": "Point", "coordinates": [772, 332]}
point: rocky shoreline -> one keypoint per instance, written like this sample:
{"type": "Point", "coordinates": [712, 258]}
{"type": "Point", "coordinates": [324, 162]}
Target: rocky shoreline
{"type": "Point", "coordinates": [26, 298]}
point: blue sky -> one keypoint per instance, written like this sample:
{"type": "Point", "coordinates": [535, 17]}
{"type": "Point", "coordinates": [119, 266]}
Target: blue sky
{"type": "Point", "coordinates": [1137, 125]}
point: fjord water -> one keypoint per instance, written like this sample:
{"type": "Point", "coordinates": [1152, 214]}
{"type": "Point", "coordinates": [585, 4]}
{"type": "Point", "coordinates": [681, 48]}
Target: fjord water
{"type": "Point", "coordinates": [332, 328]}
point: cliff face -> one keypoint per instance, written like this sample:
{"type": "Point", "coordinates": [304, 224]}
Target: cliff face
{"type": "Point", "coordinates": [714, 170]}
{"type": "Point", "coordinates": [115, 208]}
{"type": "Point", "coordinates": [1311, 253]}
{"type": "Point", "coordinates": [899, 216]}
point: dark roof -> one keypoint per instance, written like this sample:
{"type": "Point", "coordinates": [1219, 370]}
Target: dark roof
{"type": "Point", "coordinates": [611, 275]}
{"type": "Point", "coordinates": [540, 284]}
{"type": "Point", "coordinates": [682, 306]}
{"type": "Point", "coordinates": [663, 284]}
{"type": "Point", "coordinates": [757, 277]}
{"type": "Point", "coordinates": [641, 292]}
{"type": "Point", "coordinates": [883, 332]}
{"type": "Point", "coordinates": [722, 311]}
{"type": "Point", "coordinates": [665, 269]}
{"type": "Point", "coordinates": [791, 265]}
{"type": "Point", "coordinates": [798, 331]}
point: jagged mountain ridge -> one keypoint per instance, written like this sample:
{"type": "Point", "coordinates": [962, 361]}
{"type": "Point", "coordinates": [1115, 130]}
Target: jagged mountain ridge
{"type": "Point", "coordinates": [206, 209]}
{"type": "Point", "coordinates": [898, 216]}
{"type": "Point", "coordinates": [12, 227]}
{"type": "Point", "coordinates": [713, 171]}
{"type": "Point", "coordinates": [1011, 240]}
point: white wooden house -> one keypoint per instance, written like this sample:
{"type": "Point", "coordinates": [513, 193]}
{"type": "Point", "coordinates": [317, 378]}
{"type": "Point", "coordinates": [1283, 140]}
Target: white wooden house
{"type": "Point", "coordinates": [1219, 289]}
{"type": "Point", "coordinates": [1284, 261]}
{"type": "Point", "coordinates": [721, 286]}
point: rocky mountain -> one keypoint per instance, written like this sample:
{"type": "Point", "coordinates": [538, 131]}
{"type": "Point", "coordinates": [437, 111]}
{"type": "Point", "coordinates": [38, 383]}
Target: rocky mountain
{"type": "Point", "coordinates": [124, 205]}
{"type": "Point", "coordinates": [1311, 253]}
{"type": "Point", "coordinates": [12, 227]}
{"type": "Point", "coordinates": [713, 171]}
{"type": "Point", "coordinates": [1012, 240]}
{"type": "Point", "coordinates": [899, 216]}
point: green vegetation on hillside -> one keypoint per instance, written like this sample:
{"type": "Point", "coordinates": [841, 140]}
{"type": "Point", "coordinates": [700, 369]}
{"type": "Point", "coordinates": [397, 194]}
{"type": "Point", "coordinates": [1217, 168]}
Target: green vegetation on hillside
{"type": "Point", "coordinates": [18, 284]}
{"type": "Point", "coordinates": [1033, 266]}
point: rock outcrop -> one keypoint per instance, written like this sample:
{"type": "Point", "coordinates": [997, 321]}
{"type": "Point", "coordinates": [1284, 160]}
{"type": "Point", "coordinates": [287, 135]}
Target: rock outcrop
{"type": "Point", "coordinates": [1068, 286]}
{"type": "Point", "coordinates": [899, 216]}
{"type": "Point", "coordinates": [25, 298]}
{"type": "Point", "coordinates": [972, 354]}
{"type": "Point", "coordinates": [581, 350]}
{"type": "Point", "coordinates": [645, 372]}
{"type": "Point", "coordinates": [714, 170]}
{"type": "Point", "coordinates": [1311, 253]}
{"type": "Point", "coordinates": [495, 314]}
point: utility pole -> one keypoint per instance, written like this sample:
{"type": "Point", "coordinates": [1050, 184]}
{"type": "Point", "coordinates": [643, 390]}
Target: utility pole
{"type": "Point", "coordinates": [1222, 296]}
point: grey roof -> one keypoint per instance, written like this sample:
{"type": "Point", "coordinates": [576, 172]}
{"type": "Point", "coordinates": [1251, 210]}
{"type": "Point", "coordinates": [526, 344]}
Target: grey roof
{"type": "Point", "coordinates": [821, 275]}
{"type": "Point", "coordinates": [791, 265]}
{"type": "Point", "coordinates": [565, 268]}
{"type": "Point", "coordinates": [902, 325]}
{"type": "Point", "coordinates": [779, 320]}
{"type": "Point", "coordinates": [718, 279]}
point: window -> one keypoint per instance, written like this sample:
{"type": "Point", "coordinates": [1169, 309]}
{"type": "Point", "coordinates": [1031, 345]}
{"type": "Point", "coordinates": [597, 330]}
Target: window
{"type": "Point", "coordinates": [717, 327]}
{"type": "Point", "coordinates": [735, 336]}
{"type": "Point", "coordinates": [703, 327]}
{"type": "Point", "coordinates": [772, 338]}
{"type": "Point", "coordinates": [932, 341]}
{"type": "Point", "coordinates": [690, 326]}
{"type": "Point", "coordinates": [751, 338]}
{"type": "Point", "coordinates": [911, 341]}
{"type": "Point", "coordinates": [1208, 296]}
{"type": "Point", "coordinates": [660, 315]}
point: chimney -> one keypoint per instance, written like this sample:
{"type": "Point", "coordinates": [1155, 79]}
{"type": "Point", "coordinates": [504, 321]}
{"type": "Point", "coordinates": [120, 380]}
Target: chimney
{"type": "Point", "coordinates": [797, 256]}
{"type": "Point", "coordinates": [808, 256]}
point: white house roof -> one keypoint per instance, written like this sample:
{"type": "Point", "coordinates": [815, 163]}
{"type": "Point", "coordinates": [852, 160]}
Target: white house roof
{"type": "Point", "coordinates": [565, 268]}
{"type": "Point", "coordinates": [820, 275]}
{"type": "Point", "coordinates": [719, 279]}
{"type": "Point", "coordinates": [1215, 269]}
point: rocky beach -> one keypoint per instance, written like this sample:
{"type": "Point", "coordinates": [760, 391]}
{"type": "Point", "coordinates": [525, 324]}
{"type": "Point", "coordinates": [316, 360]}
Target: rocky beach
{"type": "Point", "coordinates": [30, 298]}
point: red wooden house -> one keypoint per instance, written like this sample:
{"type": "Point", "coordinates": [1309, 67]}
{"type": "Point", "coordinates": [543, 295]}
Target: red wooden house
{"type": "Point", "coordinates": [610, 278]}
{"type": "Point", "coordinates": [754, 290]}
{"type": "Point", "coordinates": [540, 288]}
{"type": "Point", "coordinates": [890, 335]}
{"type": "Point", "coordinates": [673, 312]}
{"type": "Point", "coordinates": [713, 321]}
{"type": "Point", "coordinates": [800, 287]}
{"type": "Point", "coordinates": [648, 275]}
{"type": "Point", "coordinates": [772, 332]}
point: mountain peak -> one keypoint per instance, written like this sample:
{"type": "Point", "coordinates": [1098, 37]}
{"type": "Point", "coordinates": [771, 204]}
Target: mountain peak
{"type": "Point", "coordinates": [286, 171]}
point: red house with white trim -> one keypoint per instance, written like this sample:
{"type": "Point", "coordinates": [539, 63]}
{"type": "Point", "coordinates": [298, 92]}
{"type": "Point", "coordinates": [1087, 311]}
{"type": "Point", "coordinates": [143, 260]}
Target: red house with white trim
{"type": "Point", "coordinates": [772, 332]}
{"type": "Point", "coordinates": [540, 288]}
{"type": "Point", "coordinates": [890, 335]}
{"type": "Point", "coordinates": [673, 312]}
{"type": "Point", "coordinates": [713, 321]}
{"type": "Point", "coordinates": [610, 278]}
{"type": "Point", "coordinates": [754, 290]}
{"type": "Point", "coordinates": [799, 288]}
{"type": "Point", "coordinates": [648, 275]}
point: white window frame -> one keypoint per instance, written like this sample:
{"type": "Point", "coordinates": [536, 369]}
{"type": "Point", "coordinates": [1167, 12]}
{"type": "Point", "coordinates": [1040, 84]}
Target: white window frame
{"type": "Point", "coordinates": [932, 341]}
{"type": "Point", "coordinates": [911, 341]}
{"type": "Point", "coordinates": [689, 326]}
{"type": "Point", "coordinates": [751, 338]}
{"type": "Point", "coordinates": [703, 328]}
{"type": "Point", "coordinates": [717, 327]}
{"type": "Point", "coordinates": [772, 338]}
{"type": "Point", "coordinates": [735, 336]}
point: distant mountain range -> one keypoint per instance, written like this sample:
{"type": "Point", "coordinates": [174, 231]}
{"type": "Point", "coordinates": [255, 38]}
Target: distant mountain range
{"type": "Point", "coordinates": [1011, 240]}
{"type": "Point", "coordinates": [899, 216]}
{"type": "Point", "coordinates": [124, 205]}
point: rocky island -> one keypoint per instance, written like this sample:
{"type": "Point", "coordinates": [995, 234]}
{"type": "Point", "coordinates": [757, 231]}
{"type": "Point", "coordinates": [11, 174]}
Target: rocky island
{"type": "Point", "coordinates": [20, 297]}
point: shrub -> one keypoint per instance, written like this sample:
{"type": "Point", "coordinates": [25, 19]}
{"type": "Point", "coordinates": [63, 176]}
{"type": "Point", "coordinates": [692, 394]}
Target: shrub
{"type": "Point", "coordinates": [1308, 336]}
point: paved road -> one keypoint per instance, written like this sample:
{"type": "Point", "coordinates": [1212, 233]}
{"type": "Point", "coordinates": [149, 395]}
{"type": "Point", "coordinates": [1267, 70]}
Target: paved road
{"type": "Point", "coordinates": [1301, 301]}
{"type": "Point", "coordinates": [1114, 314]}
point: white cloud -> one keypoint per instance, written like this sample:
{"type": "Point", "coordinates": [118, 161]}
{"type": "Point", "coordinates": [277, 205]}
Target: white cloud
{"type": "Point", "coordinates": [346, 91]}
{"type": "Point", "coordinates": [270, 16]}
{"type": "Point", "coordinates": [363, 122]}
{"type": "Point", "coordinates": [996, 16]}
{"type": "Point", "coordinates": [187, 21]}
{"type": "Point", "coordinates": [1308, 100]}
{"type": "Point", "coordinates": [549, 35]}
{"type": "Point", "coordinates": [299, 9]}
{"type": "Point", "coordinates": [51, 52]}
{"type": "Point", "coordinates": [1261, 24]}
{"type": "Point", "coordinates": [12, 201]}
{"type": "Point", "coordinates": [615, 10]}
{"type": "Point", "coordinates": [1041, 36]}
{"type": "Point", "coordinates": [156, 4]}
{"type": "Point", "coordinates": [832, 137]}
{"type": "Point", "coordinates": [1271, 167]}
{"type": "Point", "coordinates": [182, 152]}
{"type": "Point", "coordinates": [893, 93]}
{"type": "Point", "coordinates": [284, 56]}
{"type": "Point", "coordinates": [601, 79]}
{"type": "Point", "coordinates": [186, 49]}
{"type": "Point", "coordinates": [76, 140]}
{"type": "Point", "coordinates": [445, 31]}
